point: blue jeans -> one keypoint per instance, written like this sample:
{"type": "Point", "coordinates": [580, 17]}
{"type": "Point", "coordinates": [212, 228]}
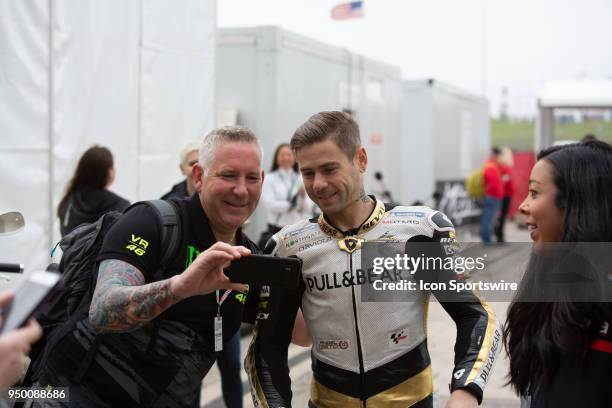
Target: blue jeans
{"type": "Point", "coordinates": [228, 361]}
{"type": "Point", "coordinates": [490, 208]}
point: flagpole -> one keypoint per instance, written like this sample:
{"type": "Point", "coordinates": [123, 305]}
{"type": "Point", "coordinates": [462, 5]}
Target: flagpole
{"type": "Point", "coordinates": [363, 51]}
{"type": "Point", "coordinates": [350, 11]}
{"type": "Point", "coordinates": [483, 47]}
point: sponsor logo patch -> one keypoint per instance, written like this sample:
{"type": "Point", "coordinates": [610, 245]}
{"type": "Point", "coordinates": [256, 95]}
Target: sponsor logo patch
{"type": "Point", "coordinates": [137, 245]}
{"type": "Point", "coordinates": [350, 244]}
{"type": "Point", "coordinates": [330, 345]}
{"type": "Point", "coordinates": [297, 240]}
{"type": "Point", "coordinates": [486, 370]}
{"type": "Point", "coordinates": [416, 214]}
{"type": "Point", "coordinates": [379, 213]}
{"type": "Point", "coordinates": [398, 337]}
{"type": "Point", "coordinates": [300, 230]}
{"type": "Point", "coordinates": [459, 373]}
{"type": "Point", "coordinates": [308, 245]}
{"type": "Point", "coordinates": [346, 279]}
{"type": "Point", "coordinates": [401, 221]}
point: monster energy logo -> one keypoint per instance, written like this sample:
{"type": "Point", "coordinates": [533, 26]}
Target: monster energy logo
{"type": "Point", "coordinates": [192, 254]}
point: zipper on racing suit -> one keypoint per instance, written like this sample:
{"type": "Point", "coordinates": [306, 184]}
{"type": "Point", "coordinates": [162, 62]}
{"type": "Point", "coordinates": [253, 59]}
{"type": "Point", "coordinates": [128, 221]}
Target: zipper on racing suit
{"type": "Point", "coordinates": [359, 350]}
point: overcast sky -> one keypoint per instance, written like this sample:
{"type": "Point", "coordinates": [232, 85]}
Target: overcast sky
{"type": "Point", "coordinates": [527, 42]}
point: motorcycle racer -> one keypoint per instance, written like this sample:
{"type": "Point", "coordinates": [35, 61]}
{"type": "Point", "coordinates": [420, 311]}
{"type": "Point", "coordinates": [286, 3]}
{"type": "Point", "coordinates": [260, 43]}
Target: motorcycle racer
{"type": "Point", "coordinates": [365, 354]}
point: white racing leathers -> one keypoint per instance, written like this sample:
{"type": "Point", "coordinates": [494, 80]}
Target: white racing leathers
{"type": "Point", "coordinates": [364, 354]}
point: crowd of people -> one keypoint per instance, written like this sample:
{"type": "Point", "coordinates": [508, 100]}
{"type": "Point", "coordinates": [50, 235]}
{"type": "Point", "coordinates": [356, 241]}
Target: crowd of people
{"type": "Point", "coordinates": [158, 328]}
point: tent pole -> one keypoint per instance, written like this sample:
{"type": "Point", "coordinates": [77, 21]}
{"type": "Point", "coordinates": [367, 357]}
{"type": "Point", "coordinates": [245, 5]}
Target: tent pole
{"type": "Point", "coordinates": [50, 159]}
{"type": "Point", "coordinates": [139, 112]}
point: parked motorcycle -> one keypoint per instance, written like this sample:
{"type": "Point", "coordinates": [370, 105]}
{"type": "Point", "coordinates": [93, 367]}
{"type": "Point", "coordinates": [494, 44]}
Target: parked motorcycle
{"type": "Point", "coordinates": [11, 222]}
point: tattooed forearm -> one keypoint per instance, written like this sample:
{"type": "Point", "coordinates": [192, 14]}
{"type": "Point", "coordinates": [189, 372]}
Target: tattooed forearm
{"type": "Point", "coordinates": [123, 302]}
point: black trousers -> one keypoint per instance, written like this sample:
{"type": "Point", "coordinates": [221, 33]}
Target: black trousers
{"type": "Point", "coordinates": [499, 225]}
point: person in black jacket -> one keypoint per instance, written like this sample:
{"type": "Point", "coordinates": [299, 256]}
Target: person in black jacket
{"type": "Point", "coordinates": [557, 332]}
{"type": "Point", "coordinates": [87, 197]}
{"type": "Point", "coordinates": [189, 157]}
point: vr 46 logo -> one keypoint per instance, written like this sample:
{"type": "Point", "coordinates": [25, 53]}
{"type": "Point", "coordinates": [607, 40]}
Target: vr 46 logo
{"type": "Point", "coordinates": [137, 245]}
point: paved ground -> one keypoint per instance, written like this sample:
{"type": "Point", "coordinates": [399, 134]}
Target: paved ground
{"type": "Point", "coordinates": [441, 332]}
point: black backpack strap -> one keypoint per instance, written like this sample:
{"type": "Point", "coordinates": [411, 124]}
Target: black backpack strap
{"type": "Point", "coordinates": [78, 375]}
{"type": "Point", "coordinates": [169, 222]}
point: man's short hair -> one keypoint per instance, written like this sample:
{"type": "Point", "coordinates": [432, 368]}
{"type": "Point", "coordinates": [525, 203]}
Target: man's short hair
{"type": "Point", "coordinates": [587, 137]}
{"type": "Point", "coordinates": [187, 149]}
{"type": "Point", "coordinates": [223, 134]}
{"type": "Point", "coordinates": [335, 125]}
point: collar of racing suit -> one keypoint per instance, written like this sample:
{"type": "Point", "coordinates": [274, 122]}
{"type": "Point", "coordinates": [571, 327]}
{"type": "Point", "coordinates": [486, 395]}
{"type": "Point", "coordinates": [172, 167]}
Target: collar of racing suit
{"type": "Point", "coordinates": [349, 241]}
{"type": "Point", "coordinates": [368, 224]}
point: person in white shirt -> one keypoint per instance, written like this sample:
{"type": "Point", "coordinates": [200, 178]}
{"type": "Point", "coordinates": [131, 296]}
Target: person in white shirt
{"type": "Point", "coordinates": [283, 193]}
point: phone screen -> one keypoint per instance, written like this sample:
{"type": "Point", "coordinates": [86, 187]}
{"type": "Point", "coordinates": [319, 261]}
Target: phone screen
{"type": "Point", "coordinates": [266, 270]}
{"type": "Point", "coordinates": [27, 298]}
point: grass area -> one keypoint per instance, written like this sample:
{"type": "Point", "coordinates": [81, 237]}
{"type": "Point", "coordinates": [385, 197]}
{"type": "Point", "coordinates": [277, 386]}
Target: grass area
{"type": "Point", "coordinates": [518, 135]}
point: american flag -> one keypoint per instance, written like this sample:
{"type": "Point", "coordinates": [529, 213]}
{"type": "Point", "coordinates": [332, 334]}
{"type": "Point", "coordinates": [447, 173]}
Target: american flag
{"type": "Point", "coordinates": [344, 11]}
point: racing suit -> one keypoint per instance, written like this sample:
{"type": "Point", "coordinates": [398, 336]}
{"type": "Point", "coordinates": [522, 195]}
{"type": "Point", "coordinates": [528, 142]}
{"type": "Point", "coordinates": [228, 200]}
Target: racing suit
{"type": "Point", "coordinates": [364, 354]}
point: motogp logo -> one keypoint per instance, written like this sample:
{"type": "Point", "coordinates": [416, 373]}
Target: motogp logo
{"type": "Point", "coordinates": [395, 338]}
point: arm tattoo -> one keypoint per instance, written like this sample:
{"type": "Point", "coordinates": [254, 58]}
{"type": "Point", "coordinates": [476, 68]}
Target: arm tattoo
{"type": "Point", "coordinates": [122, 301]}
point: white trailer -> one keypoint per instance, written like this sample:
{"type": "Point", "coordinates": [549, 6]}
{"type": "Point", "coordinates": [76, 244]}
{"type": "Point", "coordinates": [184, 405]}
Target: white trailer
{"type": "Point", "coordinates": [271, 80]}
{"type": "Point", "coordinates": [445, 136]}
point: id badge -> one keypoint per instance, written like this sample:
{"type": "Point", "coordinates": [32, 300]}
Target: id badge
{"type": "Point", "coordinates": [218, 333]}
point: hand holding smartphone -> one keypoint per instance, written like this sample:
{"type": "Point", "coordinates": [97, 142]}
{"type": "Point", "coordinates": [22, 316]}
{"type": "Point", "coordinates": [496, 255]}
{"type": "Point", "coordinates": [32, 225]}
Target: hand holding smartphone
{"type": "Point", "coordinates": [26, 300]}
{"type": "Point", "coordinates": [269, 270]}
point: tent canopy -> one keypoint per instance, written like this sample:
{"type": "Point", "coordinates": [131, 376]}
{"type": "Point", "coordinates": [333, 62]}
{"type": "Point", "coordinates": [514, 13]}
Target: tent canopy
{"type": "Point", "coordinates": [567, 94]}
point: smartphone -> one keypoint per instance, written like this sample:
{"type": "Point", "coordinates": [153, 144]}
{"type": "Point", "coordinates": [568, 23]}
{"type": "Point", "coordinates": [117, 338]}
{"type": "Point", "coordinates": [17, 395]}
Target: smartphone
{"type": "Point", "coordinates": [26, 300]}
{"type": "Point", "coordinates": [269, 270]}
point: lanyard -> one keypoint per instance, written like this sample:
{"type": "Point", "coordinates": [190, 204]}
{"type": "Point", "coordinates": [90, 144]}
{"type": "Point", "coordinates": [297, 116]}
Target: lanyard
{"type": "Point", "coordinates": [289, 184]}
{"type": "Point", "coordinates": [219, 303]}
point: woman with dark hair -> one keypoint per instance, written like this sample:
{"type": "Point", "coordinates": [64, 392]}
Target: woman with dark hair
{"type": "Point", "coordinates": [283, 193]}
{"type": "Point", "coordinates": [559, 338]}
{"type": "Point", "coordinates": [87, 197]}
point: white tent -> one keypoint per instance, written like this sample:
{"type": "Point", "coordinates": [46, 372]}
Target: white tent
{"type": "Point", "coordinates": [136, 76]}
{"type": "Point", "coordinates": [567, 94]}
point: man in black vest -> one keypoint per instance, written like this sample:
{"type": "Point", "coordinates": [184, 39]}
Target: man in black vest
{"type": "Point", "coordinates": [188, 158]}
{"type": "Point", "coordinates": [162, 329]}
